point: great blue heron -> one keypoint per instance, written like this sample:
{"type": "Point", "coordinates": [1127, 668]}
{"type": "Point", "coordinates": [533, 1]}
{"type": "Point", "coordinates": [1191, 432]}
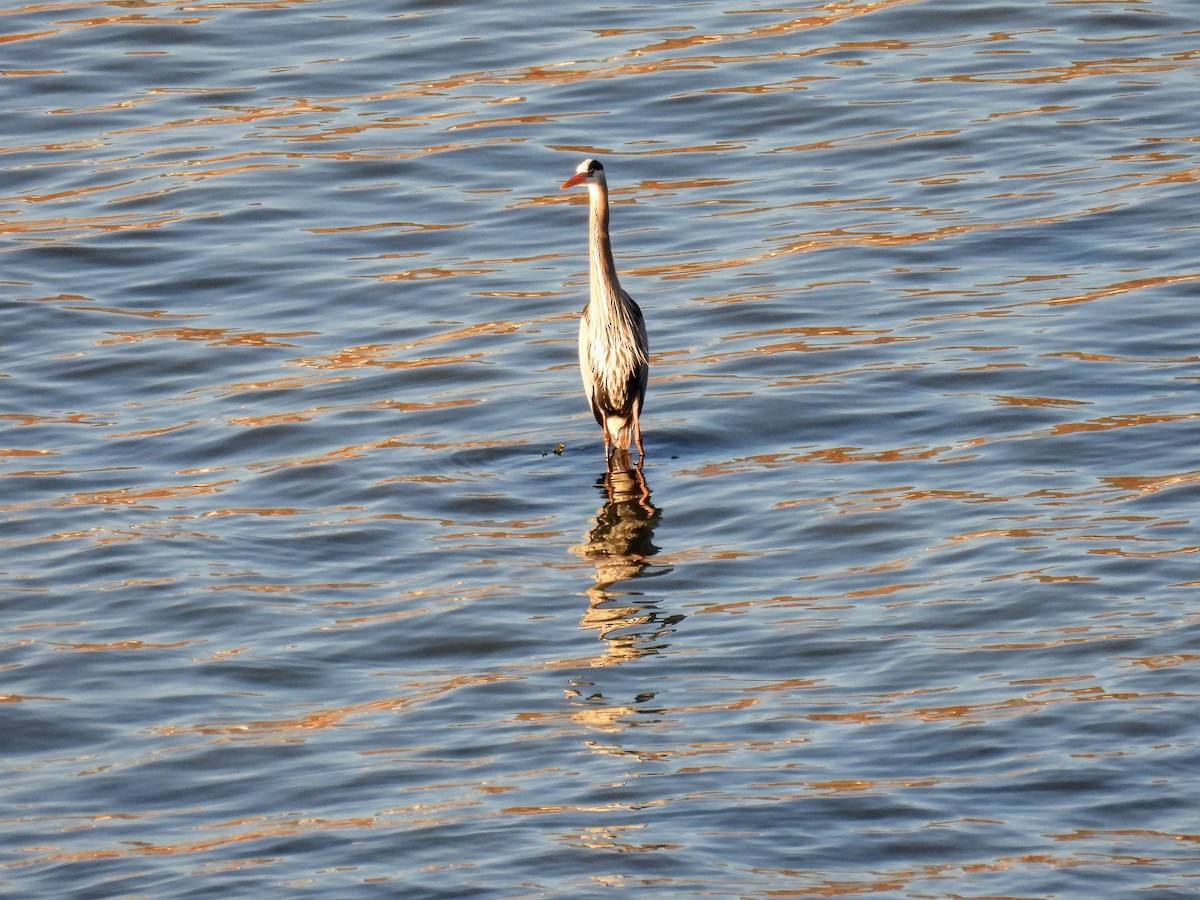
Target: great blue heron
{"type": "Point", "coordinates": [614, 355]}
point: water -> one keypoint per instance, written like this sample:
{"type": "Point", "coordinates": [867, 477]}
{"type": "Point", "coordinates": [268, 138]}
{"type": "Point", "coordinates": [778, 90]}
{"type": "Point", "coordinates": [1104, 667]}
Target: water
{"type": "Point", "coordinates": [303, 597]}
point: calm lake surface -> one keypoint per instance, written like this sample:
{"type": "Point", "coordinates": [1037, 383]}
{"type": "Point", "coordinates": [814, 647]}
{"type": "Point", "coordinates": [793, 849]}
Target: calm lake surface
{"type": "Point", "coordinates": [312, 581]}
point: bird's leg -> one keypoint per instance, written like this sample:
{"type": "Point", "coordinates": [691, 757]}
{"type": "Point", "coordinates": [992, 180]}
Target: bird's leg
{"type": "Point", "coordinates": [637, 435]}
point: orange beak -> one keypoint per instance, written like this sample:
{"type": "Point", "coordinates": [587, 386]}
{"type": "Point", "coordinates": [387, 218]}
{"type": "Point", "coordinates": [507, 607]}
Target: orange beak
{"type": "Point", "coordinates": [573, 180]}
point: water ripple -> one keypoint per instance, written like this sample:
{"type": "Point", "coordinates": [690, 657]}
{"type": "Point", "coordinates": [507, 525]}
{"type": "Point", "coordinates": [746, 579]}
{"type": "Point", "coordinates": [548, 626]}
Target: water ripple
{"type": "Point", "coordinates": [312, 577]}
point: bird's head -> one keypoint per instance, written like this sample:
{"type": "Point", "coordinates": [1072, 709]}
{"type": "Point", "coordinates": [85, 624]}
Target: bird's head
{"type": "Point", "coordinates": [588, 172]}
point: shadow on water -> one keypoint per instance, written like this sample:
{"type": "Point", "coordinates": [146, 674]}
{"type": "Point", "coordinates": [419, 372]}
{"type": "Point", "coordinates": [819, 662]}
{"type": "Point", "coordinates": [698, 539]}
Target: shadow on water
{"type": "Point", "coordinates": [620, 545]}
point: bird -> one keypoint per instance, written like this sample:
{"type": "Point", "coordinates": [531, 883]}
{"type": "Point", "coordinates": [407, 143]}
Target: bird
{"type": "Point", "coordinates": [614, 352]}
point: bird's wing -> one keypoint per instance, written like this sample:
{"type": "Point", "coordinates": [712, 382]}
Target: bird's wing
{"type": "Point", "coordinates": [641, 372]}
{"type": "Point", "coordinates": [591, 378]}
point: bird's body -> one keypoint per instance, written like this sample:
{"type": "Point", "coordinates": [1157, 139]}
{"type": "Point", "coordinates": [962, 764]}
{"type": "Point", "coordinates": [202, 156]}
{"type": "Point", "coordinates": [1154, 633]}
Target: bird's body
{"type": "Point", "coordinates": [613, 349]}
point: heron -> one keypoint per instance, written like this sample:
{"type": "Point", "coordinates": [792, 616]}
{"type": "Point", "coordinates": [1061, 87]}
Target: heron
{"type": "Point", "coordinates": [614, 354]}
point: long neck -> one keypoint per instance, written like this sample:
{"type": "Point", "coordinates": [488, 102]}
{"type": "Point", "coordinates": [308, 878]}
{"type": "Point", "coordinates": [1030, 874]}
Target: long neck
{"type": "Point", "coordinates": [605, 289]}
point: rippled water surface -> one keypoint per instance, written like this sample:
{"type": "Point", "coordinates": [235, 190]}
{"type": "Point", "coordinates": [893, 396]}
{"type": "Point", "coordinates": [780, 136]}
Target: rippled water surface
{"type": "Point", "coordinates": [313, 584]}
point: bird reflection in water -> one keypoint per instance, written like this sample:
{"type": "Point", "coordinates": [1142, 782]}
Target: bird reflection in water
{"type": "Point", "coordinates": [620, 545]}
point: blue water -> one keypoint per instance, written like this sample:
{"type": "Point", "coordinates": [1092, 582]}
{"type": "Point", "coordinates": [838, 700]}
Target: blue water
{"type": "Point", "coordinates": [312, 580]}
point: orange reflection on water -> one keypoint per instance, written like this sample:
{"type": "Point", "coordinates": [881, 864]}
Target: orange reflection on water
{"type": "Point", "coordinates": [1145, 554]}
{"type": "Point", "coordinates": [1040, 401]}
{"type": "Point", "coordinates": [978, 713]}
{"type": "Point", "coordinates": [1144, 485]}
{"type": "Point", "coordinates": [374, 226]}
{"type": "Point", "coordinates": [791, 245]}
{"type": "Point", "coordinates": [153, 432]}
{"type": "Point", "coordinates": [255, 829]}
{"type": "Point", "coordinates": [119, 645]}
{"type": "Point", "coordinates": [380, 355]}
{"type": "Point", "coordinates": [835, 455]}
{"type": "Point", "coordinates": [1167, 661]}
{"type": "Point", "coordinates": [255, 511]}
{"type": "Point", "coordinates": [798, 340]}
{"type": "Point", "coordinates": [214, 337]}
{"type": "Point", "coordinates": [73, 192]}
{"type": "Point", "coordinates": [333, 716]}
{"type": "Point", "coordinates": [27, 698]}
{"type": "Point", "coordinates": [64, 228]}
{"type": "Point", "coordinates": [1115, 289]}
{"type": "Point", "coordinates": [1108, 423]}
{"type": "Point", "coordinates": [18, 451]}
{"type": "Point", "coordinates": [242, 115]}
{"type": "Point", "coordinates": [281, 418]}
{"type": "Point", "coordinates": [291, 588]}
{"type": "Point", "coordinates": [1070, 71]}
{"type": "Point", "coordinates": [130, 496]}
{"type": "Point", "coordinates": [1088, 834]}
